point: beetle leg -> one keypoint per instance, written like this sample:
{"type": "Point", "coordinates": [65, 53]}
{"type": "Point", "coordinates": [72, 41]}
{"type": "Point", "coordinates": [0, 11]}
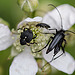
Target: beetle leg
{"type": "Point", "coordinates": [43, 25]}
{"type": "Point", "coordinates": [65, 43]}
{"type": "Point", "coordinates": [28, 44]}
{"type": "Point", "coordinates": [52, 29]}
{"type": "Point", "coordinates": [64, 46]}
{"type": "Point", "coordinates": [56, 50]}
{"type": "Point", "coordinates": [70, 31]}
{"type": "Point", "coordinates": [67, 34]}
{"type": "Point", "coordinates": [43, 47]}
{"type": "Point", "coordinates": [51, 37]}
{"type": "Point", "coordinates": [33, 43]}
{"type": "Point", "coordinates": [61, 53]}
{"type": "Point", "coordinates": [48, 33]}
{"type": "Point", "coordinates": [58, 56]}
{"type": "Point", "coordinates": [62, 50]}
{"type": "Point", "coordinates": [35, 36]}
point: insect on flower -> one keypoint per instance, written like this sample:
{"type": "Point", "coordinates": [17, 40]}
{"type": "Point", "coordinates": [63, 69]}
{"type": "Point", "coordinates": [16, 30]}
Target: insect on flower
{"type": "Point", "coordinates": [29, 33]}
{"type": "Point", "coordinates": [57, 40]}
{"type": "Point", "coordinates": [26, 36]}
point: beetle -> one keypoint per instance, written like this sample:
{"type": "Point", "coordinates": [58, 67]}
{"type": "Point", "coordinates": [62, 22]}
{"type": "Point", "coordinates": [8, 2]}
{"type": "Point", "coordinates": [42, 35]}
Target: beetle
{"type": "Point", "coordinates": [26, 37]}
{"type": "Point", "coordinates": [58, 39]}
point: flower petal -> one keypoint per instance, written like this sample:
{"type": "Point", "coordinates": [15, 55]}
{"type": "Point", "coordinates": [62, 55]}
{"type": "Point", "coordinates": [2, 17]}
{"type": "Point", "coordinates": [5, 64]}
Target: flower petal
{"type": "Point", "coordinates": [24, 64]}
{"type": "Point", "coordinates": [14, 52]}
{"type": "Point", "coordinates": [64, 63]}
{"type": "Point", "coordinates": [5, 37]}
{"type": "Point", "coordinates": [35, 19]}
{"type": "Point", "coordinates": [53, 19]}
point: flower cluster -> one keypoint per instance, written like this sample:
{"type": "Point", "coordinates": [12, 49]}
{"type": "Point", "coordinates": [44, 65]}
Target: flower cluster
{"type": "Point", "coordinates": [24, 63]}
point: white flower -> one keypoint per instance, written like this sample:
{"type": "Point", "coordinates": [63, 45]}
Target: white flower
{"type": "Point", "coordinates": [65, 63]}
{"type": "Point", "coordinates": [24, 63]}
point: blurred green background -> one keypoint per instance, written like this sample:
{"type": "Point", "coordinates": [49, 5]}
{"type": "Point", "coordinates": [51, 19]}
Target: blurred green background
{"type": "Point", "coordinates": [11, 12]}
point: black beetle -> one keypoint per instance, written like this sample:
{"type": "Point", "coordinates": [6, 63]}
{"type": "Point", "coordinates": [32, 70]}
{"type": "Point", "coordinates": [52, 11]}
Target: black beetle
{"type": "Point", "coordinates": [57, 40]}
{"type": "Point", "coordinates": [26, 36]}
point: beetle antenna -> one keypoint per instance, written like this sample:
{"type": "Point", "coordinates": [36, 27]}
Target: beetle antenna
{"type": "Point", "coordinates": [70, 31]}
{"type": "Point", "coordinates": [59, 14]}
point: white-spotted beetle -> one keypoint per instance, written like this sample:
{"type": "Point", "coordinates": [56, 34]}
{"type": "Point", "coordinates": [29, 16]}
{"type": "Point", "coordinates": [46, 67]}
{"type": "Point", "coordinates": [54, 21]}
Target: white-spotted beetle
{"type": "Point", "coordinates": [26, 36]}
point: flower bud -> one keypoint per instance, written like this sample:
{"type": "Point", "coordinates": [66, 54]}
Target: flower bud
{"type": "Point", "coordinates": [43, 67]}
{"type": "Point", "coordinates": [28, 5]}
